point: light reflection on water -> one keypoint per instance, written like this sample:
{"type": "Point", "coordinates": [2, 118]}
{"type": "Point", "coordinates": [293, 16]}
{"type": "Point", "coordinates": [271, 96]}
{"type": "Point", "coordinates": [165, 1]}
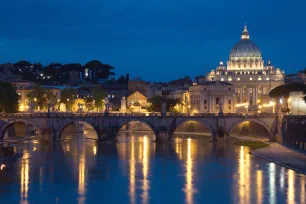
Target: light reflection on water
{"type": "Point", "coordinates": [137, 170]}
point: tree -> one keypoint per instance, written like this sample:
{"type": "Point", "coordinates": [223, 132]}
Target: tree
{"type": "Point", "coordinates": [8, 98]}
{"type": "Point", "coordinates": [41, 97]}
{"type": "Point", "coordinates": [121, 80]}
{"type": "Point", "coordinates": [68, 97]}
{"type": "Point", "coordinates": [283, 91]}
{"type": "Point", "coordinates": [127, 78]}
{"type": "Point", "coordinates": [98, 95]}
{"type": "Point", "coordinates": [22, 63]}
{"type": "Point", "coordinates": [155, 103]}
{"type": "Point", "coordinates": [53, 70]}
{"type": "Point", "coordinates": [102, 71]}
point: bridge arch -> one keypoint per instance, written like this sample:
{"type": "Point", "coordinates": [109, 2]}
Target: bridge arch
{"type": "Point", "coordinates": [257, 121]}
{"type": "Point", "coordinates": [149, 124]}
{"type": "Point", "coordinates": [85, 123]}
{"type": "Point", "coordinates": [184, 121]}
{"type": "Point", "coordinates": [14, 121]}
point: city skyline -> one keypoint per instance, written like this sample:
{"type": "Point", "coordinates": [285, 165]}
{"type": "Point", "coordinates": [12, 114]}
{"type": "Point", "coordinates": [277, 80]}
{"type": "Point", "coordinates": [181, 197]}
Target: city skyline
{"type": "Point", "coordinates": [147, 39]}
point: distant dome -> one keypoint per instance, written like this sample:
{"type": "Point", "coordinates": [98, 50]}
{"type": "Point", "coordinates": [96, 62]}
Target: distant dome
{"type": "Point", "coordinates": [245, 49]}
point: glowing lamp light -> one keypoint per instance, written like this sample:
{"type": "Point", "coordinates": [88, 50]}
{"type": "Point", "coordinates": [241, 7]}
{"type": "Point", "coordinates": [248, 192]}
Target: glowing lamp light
{"type": "Point", "coordinates": [272, 103]}
{"type": "Point", "coordinates": [258, 101]}
{"type": "Point", "coordinates": [242, 104]}
{"type": "Point", "coordinates": [289, 99]}
{"type": "Point", "coordinates": [2, 167]}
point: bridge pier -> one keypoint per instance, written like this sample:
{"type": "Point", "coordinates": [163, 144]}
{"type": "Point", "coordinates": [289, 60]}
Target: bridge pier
{"type": "Point", "coordinates": [163, 135]}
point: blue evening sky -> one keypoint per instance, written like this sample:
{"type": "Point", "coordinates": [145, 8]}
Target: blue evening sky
{"type": "Point", "coordinates": [157, 40]}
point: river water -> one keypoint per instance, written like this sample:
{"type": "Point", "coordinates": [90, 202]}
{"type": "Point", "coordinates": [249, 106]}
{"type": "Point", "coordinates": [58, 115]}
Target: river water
{"type": "Point", "coordinates": [137, 170]}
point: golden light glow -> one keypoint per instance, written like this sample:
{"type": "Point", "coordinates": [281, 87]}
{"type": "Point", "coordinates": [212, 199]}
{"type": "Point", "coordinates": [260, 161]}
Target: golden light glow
{"type": "Point", "coordinates": [2, 166]}
{"type": "Point", "coordinates": [303, 190]}
{"type": "Point", "coordinates": [145, 168]}
{"type": "Point", "coordinates": [95, 150]}
{"type": "Point", "coordinates": [244, 176]}
{"type": "Point", "coordinates": [259, 186]}
{"type": "Point", "coordinates": [132, 173]}
{"type": "Point", "coordinates": [242, 104]}
{"type": "Point", "coordinates": [189, 175]}
{"type": "Point", "coordinates": [272, 175]}
{"type": "Point", "coordinates": [24, 179]}
{"type": "Point", "coordinates": [21, 107]}
{"type": "Point", "coordinates": [289, 99]}
{"type": "Point", "coordinates": [291, 188]}
{"type": "Point", "coordinates": [82, 178]}
{"type": "Point", "coordinates": [258, 101]}
{"type": "Point", "coordinates": [272, 103]}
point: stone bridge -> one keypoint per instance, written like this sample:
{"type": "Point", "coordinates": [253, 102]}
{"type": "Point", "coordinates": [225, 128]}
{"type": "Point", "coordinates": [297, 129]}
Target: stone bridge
{"type": "Point", "coordinates": [50, 125]}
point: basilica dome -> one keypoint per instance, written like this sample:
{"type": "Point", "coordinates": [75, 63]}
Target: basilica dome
{"type": "Point", "coordinates": [245, 49]}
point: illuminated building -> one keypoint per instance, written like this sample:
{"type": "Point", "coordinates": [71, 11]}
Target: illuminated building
{"type": "Point", "coordinates": [251, 80]}
{"type": "Point", "coordinates": [137, 102]}
{"type": "Point", "coordinates": [296, 103]}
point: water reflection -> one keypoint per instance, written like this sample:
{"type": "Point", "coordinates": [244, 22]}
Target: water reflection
{"type": "Point", "coordinates": [189, 175]}
{"type": "Point", "coordinates": [186, 151]}
{"type": "Point", "coordinates": [140, 148]}
{"type": "Point", "coordinates": [291, 187]}
{"type": "Point", "coordinates": [82, 178]}
{"type": "Point", "coordinates": [24, 178]}
{"type": "Point", "coordinates": [272, 174]}
{"type": "Point", "coordinates": [74, 171]}
{"type": "Point", "coordinates": [259, 186]}
{"type": "Point", "coordinates": [244, 175]}
{"type": "Point", "coordinates": [303, 190]}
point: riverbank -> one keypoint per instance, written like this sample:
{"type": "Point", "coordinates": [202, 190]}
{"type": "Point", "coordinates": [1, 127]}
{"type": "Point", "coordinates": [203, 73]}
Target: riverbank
{"type": "Point", "coordinates": [283, 156]}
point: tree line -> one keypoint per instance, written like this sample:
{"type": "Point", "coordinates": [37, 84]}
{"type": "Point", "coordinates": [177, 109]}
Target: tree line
{"type": "Point", "coordinates": [59, 73]}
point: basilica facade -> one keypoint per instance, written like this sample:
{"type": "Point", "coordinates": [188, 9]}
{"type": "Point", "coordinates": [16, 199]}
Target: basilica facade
{"type": "Point", "coordinates": [241, 85]}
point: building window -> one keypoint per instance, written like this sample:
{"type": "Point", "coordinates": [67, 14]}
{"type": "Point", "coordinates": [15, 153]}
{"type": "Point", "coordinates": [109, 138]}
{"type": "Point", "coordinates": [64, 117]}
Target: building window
{"type": "Point", "coordinates": [229, 102]}
{"type": "Point", "coordinates": [113, 96]}
{"type": "Point", "coordinates": [230, 79]}
{"type": "Point", "coordinates": [229, 89]}
{"type": "Point", "coordinates": [204, 107]}
{"type": "Point", "coordinates": [251, 78]}
{"type": "Point", "coordinates": [229, 108]}
{"type": "Point", "coordinates": [259, 79]}
{"type": "Point", "coordinates": [267, 78]}
{"type": "Point", "coordinates": [238, 79]}
{"type": "Point", "coordinates": [205, 89]}
{"type": "Point", "coordinates": [222, 79]}
{"type": "Point", "coordinates": [205, 102]}
{"type": "Point", "coordinates": [217, 101]}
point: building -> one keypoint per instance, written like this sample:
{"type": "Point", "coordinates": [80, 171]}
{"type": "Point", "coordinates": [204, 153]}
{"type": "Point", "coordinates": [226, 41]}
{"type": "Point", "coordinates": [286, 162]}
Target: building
{"type": "Point", "coordinates": [208, 96]}
{"type": "Point", "coordinates": [300, 77]}
{"type": "Point", "coordinates": [137, 102]}
{"type": "Point", "coordinates": [246, 74]}
{"type": "Point", "coordinates": [296, 103]}
{"type": "Point", "coordinates": [137, 84]}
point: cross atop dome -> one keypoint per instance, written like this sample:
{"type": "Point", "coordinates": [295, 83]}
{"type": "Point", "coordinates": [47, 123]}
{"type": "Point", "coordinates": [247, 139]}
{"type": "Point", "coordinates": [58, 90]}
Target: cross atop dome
{"type": "Point", "coordinates": [245, 33]}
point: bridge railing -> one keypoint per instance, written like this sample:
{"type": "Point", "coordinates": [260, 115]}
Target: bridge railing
{"type": "Point", "coordinates": [69, 114]}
